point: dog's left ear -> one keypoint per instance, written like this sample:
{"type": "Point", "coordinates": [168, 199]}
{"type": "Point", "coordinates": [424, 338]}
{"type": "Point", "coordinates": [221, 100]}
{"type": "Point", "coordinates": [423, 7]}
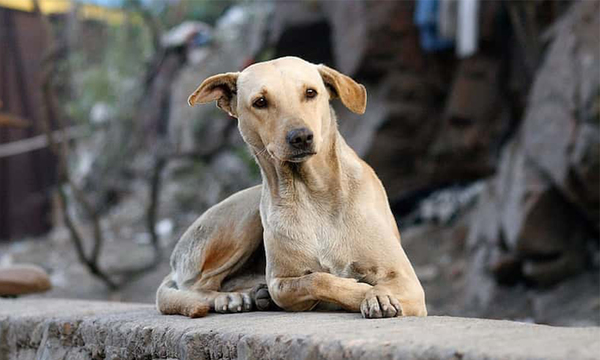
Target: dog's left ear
{"type": "Point", "coordinates": [222, 88]}
{"type": "Point", "coordinates": [352, 94]}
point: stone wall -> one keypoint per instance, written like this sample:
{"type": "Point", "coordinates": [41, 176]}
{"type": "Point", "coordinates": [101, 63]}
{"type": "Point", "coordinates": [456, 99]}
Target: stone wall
{"type": "Point", "coordinates": [537, 221]}
{"type": "Point", "coordinates": [66, 329]}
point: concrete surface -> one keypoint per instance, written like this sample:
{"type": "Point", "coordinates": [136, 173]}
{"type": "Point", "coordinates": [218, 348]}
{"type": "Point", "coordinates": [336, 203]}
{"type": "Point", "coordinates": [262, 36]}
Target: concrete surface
{"type": "Point", "coordinates": [70, 329]}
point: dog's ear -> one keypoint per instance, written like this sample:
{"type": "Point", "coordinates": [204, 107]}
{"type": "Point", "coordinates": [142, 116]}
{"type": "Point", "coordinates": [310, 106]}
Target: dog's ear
{"type": "Point", "coordinates": [221, 88]}
{"type": "Point", "coordinates": [352, 94]}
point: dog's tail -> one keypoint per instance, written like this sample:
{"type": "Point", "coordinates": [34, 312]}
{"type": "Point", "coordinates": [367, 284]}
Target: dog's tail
{"type": "Point", "coordinates": [172, 301]}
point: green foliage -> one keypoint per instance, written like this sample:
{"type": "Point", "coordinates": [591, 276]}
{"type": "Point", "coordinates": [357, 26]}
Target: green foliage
{"type": "Point", "coordinates": [193, 169]}
{"type": "Point", "coordinates": [243, 153]}
{"type": "Point", "coordinates": [108, 68]}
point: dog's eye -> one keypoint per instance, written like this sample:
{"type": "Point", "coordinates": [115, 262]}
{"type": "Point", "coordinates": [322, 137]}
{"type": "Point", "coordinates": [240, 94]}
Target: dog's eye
{"type": "Point", "coordinates": [260, 103]}
{"type": "Point", "coordinates": [311, 93]}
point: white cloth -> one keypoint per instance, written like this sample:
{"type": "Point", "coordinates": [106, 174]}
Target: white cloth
{"type": "Point", "coordinates": [468, 28]}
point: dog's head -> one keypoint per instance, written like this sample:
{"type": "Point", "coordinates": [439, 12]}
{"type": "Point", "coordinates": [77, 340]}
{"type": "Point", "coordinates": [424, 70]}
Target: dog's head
{"type": "Point", "coordinates": [282, 105]}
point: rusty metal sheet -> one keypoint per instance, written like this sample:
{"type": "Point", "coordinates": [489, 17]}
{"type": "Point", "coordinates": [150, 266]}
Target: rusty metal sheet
{"type": "Point", "coordinates": [25, 179]}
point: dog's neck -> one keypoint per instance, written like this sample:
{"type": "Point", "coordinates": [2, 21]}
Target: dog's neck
{"type": "Point", "coordinates": [322, 174]}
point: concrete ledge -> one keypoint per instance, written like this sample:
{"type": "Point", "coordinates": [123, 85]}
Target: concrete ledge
{"type": "Point", "coordinates": [67, 329]}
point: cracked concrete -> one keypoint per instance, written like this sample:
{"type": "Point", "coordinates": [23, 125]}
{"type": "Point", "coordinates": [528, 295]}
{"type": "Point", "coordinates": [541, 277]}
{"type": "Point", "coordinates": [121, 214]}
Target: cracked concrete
{"type": "Point", "coordinates": [69, 329]}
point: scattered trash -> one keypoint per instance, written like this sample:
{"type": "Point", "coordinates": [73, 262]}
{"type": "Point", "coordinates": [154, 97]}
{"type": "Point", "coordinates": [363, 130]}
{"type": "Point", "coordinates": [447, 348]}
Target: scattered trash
{"type": "Point", "coordinates": [194, 33]}
{"type": "Point", "coordinates": [444, 205]}
{"type": "Point", "coordinates": [101, 113]}
{"type": "Point", "coordinates": [164, 227]}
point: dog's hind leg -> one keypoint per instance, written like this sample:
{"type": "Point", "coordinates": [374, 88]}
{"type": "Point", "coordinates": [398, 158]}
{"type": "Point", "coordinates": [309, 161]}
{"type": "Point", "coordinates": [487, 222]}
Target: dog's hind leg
{"type": "Point", "coordinates": [172, 301]}
{"type": "Point", "coordinates": [217, 261]}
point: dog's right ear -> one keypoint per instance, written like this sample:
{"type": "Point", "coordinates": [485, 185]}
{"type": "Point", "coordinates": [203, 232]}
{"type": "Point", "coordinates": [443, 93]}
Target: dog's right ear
{"type": "Point", "coordinates": [352, 94]}
{"type": "Point", "coordinates": [221, 88]}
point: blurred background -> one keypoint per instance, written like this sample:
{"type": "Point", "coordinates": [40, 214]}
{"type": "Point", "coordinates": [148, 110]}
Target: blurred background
{"type": "Point", "coordinates": [483, 122]}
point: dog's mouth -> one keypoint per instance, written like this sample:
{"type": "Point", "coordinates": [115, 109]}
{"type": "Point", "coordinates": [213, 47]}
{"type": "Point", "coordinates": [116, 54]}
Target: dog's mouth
{"type": "Point", "coordinates": [303, 156]}
{"type": "Point", "coordinates": [297, 156]}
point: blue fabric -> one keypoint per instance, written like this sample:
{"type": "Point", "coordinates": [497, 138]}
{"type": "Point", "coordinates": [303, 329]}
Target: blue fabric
{"type": "Point", "coordinates": [426, 17]}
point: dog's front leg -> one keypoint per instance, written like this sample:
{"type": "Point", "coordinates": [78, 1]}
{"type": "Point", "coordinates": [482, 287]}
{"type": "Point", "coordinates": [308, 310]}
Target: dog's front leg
{"type": "Point", "coordinates": [304, 292]}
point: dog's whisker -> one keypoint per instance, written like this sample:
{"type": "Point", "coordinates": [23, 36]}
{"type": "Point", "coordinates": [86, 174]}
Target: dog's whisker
{"type": "Point", "coordinates": [259, 152]}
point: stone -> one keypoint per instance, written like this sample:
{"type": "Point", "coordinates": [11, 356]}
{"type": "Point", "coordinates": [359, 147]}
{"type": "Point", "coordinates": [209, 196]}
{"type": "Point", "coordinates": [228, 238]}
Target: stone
{"type": "Point", "coordinates": [561, 130]}
{"type": "Point", "coordinates": [473, 101]}
{"type": "Point", "coordinates": [563, 309]}
{"type": "Point", "coordinates": [51, 329]}
{"type": "Point", "coordinates": [542, 206]}
{"type": "Point", "coordinates": [507, 268]}
{"type": "Point", "coordinates": [23, 279]}
{"type": "Point", "coordinates": [203, 129]}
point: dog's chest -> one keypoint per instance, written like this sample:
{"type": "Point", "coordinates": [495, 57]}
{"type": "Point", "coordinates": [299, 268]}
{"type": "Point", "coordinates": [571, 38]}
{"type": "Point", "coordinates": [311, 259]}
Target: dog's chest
{"type": "Point", "coordinates": [319, 240]}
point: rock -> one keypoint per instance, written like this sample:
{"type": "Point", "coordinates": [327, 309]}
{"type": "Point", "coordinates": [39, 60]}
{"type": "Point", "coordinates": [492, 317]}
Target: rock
{"type": "Point", "coordinates": [195, 186]}
{"type": "Point", "coordinates": [23, 279]}
{"type": "Point", "coordinates": [299, 28]}
{"type": "Point", "coordinates": [561, 131]}
{"type": "Point", "coordinates": [541, 208]}
{"type": "Point", "coordinates": [531, 217]}
{"type": "Point", "coordinates": [199, 128]}
{"type": "Point", "coordinates": [204, 128]}
{"type": "Point", "coordinates": [349, 30]}
{"type": "Point", "coordinates": [473, 100]}
{"type": "Point", "coordinates": [50, 329]}
{"type": "Point", "coordinates": [207, 130]}
{"type": "Point", "coordinates": [507, 268]}
{"type": "Point", "coordinates": [356, 25]}
{"type": "Point", "coordinates": [561, 308]}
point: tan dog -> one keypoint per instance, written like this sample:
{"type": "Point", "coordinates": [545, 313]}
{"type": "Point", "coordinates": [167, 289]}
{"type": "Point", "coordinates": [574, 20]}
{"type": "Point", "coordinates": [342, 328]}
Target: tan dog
{"type": "Point", "coordinates": [321, 212]}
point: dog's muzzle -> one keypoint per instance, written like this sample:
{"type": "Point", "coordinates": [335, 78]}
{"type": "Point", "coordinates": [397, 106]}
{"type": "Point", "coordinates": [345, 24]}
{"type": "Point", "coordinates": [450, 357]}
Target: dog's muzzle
{"type": "Point", "coordinates": [300, 139]}
{"type": "Point", "coordinates": [301, 144]}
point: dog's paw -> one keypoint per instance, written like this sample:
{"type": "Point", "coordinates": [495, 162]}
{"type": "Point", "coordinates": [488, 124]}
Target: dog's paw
{"type": "Point", "coordinates": [233, 302]}
{"type": "Point", "coordinates": [380, 306]}
{"type": "Point", "coordinates": [262, 298]}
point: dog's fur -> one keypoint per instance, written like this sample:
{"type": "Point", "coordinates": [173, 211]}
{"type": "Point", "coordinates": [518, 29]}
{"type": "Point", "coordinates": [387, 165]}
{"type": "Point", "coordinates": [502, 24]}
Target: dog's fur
{"type": "Point", "coordinates": [321, 214]}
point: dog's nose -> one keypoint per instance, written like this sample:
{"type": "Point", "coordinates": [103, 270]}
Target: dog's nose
{"type": "Point", "coordinates": [300, 138]}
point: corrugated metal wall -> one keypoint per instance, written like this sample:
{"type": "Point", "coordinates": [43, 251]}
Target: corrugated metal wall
{"type": "Point", "coordinates": [25, 179]}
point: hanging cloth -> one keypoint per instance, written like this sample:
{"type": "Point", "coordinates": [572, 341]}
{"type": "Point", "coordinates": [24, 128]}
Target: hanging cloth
{"type": "Point", "coordinates": [425, 18]}
{"type": "Point", "coordinates": [468, 28]}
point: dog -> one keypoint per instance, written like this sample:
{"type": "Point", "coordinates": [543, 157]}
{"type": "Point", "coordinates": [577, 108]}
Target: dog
{"type": "Point", "coordinates": [318, 230]}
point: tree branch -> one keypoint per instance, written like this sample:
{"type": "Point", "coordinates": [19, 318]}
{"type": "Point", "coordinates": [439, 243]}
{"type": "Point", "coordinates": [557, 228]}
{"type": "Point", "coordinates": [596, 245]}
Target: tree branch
{"type": "Point", "coordinates": [61, 151]}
